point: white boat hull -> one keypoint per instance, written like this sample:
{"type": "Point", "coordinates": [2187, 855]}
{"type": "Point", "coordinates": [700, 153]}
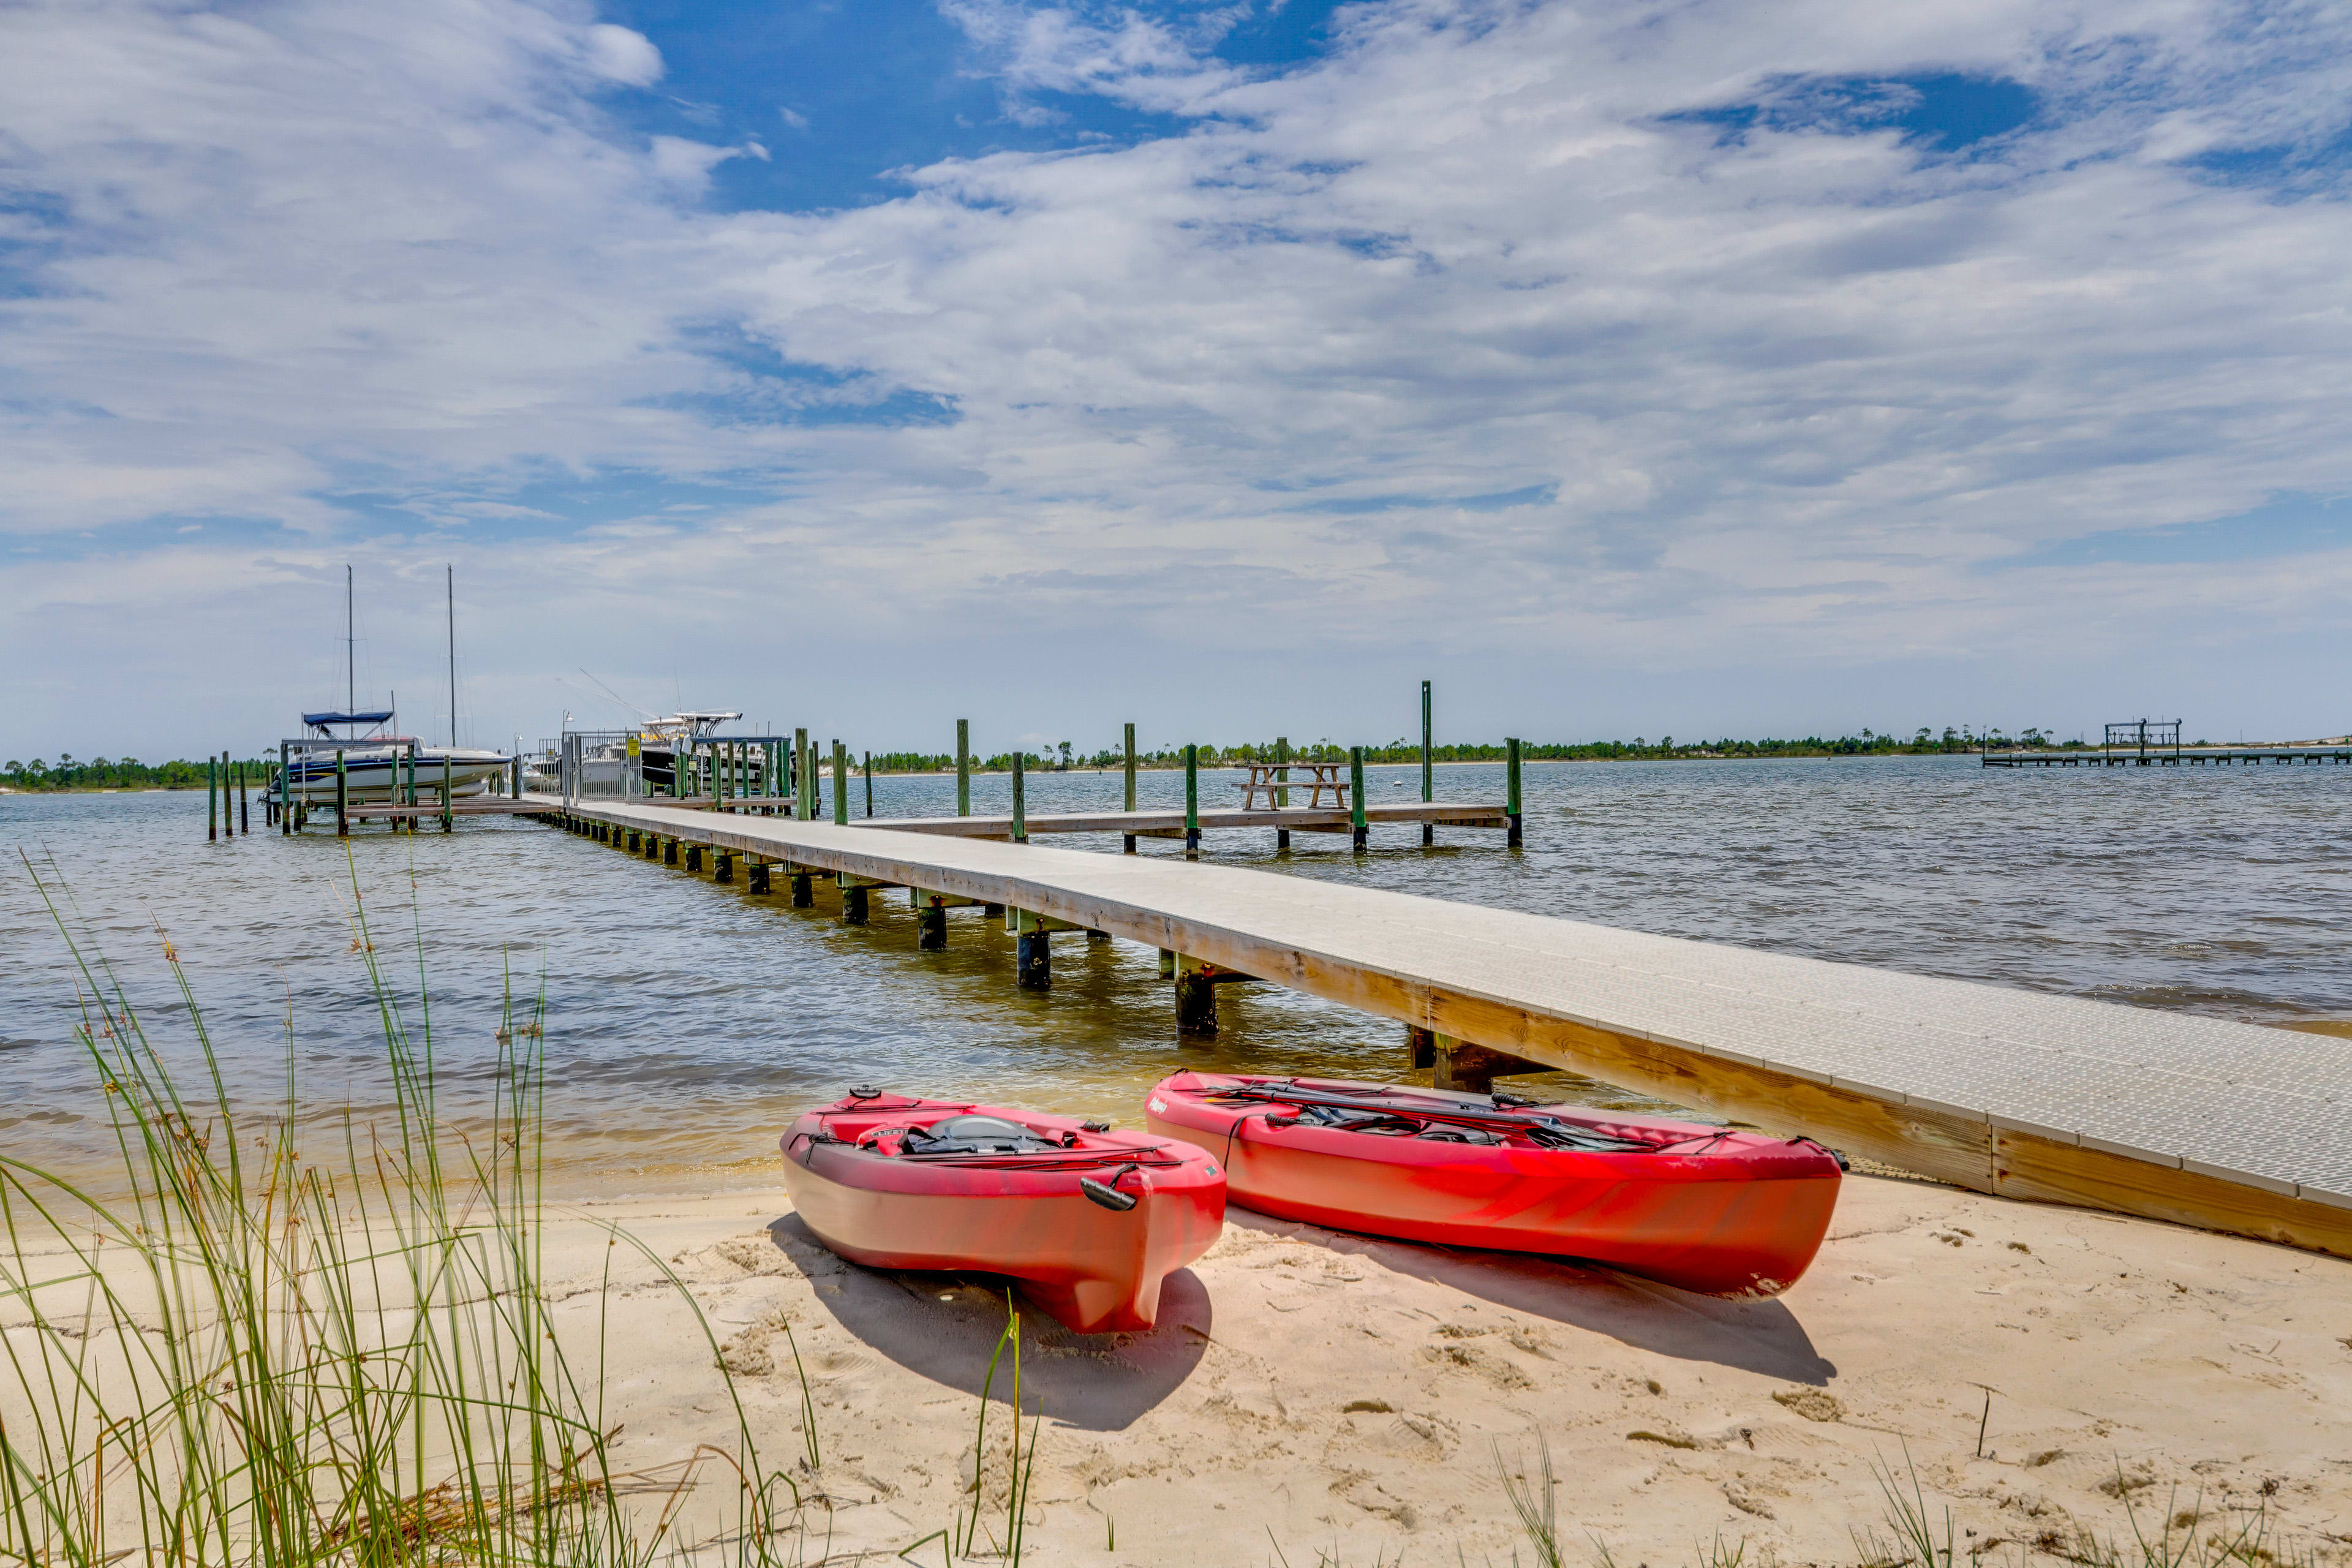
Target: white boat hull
{"type": "Point", "coordinates": [378, 777]}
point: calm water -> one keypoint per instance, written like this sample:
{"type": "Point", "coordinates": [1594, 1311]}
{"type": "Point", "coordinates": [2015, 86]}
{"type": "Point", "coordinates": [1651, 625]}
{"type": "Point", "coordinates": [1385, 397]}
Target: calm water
{"type": "Point", "coordinates": [688, 1021]}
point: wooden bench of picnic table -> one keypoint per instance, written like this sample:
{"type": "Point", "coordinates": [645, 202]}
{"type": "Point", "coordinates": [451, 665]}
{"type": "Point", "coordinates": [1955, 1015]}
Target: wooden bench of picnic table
{"type": "Point", "coordinates": [1262, 777]}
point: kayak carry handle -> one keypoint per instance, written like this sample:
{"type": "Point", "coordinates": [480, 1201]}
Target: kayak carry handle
{"type": "Point", "coordinates": [1107, 1196]}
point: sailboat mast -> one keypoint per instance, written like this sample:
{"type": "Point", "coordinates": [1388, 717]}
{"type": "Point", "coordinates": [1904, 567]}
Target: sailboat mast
{"type": "Point", "coordinates": [453, 655]}
{"type": "Point", "coordinates": [351, 651]}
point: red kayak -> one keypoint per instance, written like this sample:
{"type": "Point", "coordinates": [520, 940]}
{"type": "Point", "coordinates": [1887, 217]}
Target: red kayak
{"type": "Point", "coordinates": [1705, 1208]}
{"type": "Point", "coordinates": [1089, 1220]}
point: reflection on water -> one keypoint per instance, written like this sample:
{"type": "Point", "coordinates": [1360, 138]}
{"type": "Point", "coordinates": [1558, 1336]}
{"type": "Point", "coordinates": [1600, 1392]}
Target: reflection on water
{"type": "Point", "coordinates": [689, 1020]}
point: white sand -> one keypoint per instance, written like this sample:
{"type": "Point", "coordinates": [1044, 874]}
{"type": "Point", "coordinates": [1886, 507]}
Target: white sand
{"type": "Point", "coordinates": [1323, 1394]}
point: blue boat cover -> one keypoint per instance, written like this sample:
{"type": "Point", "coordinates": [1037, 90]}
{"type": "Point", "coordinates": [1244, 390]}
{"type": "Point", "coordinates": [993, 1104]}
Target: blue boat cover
{"type": "Point", "coordinates": [346, 718]}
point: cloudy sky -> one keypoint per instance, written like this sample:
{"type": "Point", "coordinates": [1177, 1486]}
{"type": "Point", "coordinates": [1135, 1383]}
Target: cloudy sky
{"type": "Point", "coordinates": [1626, 366]}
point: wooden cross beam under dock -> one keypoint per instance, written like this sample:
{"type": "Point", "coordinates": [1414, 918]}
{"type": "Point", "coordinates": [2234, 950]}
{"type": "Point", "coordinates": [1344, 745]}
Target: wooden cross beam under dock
{"type": "Point", "coordinates": [2228, 1126]}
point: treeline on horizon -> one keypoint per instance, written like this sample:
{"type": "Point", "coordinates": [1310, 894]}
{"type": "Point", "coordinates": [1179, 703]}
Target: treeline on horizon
{"type": "Point", "coordinates": [101, 772]}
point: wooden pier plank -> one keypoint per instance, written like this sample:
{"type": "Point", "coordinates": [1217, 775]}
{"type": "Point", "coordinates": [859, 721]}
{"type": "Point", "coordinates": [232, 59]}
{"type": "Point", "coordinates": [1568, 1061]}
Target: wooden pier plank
{"type": "Point", "coordinates": [2221, 1125]}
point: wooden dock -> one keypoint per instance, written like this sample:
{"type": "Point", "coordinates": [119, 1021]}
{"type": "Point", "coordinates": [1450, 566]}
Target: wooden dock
{"type": "Point", "coordinates": [2186, 757]}
{"type": "Point", "coordinates": [2228, 1126]}
{"type": "Point", "coordinates": [1138, 824]}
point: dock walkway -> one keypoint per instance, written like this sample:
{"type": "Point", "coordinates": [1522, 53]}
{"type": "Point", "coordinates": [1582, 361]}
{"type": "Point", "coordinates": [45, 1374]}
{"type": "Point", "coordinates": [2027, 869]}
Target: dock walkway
{"type": "Point", "coordinates": [2229, 1126]}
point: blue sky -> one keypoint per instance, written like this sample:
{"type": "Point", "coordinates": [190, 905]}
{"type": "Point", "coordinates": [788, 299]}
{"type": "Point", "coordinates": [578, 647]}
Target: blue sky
{"type": "Point", "coordinates": [1627, 367]}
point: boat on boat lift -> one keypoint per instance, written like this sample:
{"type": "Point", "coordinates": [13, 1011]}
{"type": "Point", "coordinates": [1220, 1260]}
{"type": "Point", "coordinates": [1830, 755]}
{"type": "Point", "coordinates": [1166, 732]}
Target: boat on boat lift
{"type": "Point", "coordinates": [379, 766]}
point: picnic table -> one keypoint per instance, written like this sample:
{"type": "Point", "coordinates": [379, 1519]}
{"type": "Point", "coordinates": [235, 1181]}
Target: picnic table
{"type": "Point", "coordinates": [1326, 775]}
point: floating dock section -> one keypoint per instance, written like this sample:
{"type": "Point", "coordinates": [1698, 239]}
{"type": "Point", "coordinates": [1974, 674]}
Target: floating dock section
{"type": "Point", "coordinates": [2228, 1126]}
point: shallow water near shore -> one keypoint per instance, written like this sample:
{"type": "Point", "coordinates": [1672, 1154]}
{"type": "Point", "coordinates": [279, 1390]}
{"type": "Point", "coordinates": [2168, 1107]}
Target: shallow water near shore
{"type": "Point", "coordinates": [686, 1021]}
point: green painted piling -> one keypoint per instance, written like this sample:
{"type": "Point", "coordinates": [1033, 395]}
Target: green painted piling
{"type": "Point", "coordinates": [212, 800]}
{"type": "Point", "coordinates": [1191, 803]}
{"type": "Point", "coordinates": [963, 767]}
{"type": "Point", "coordinates": [1129, 847]}
{"type": "Point", "coordinates": [1020, 798]}
{"type": "Point", "coordinates": [840, 784]}
{"type": "Point", "coordinates": [343, 797]}
{"type": "Point", "coordinates": [1282, 788]}
{"type": "Point", "coordinates": [1428, 771]}
{"type": "Point", "coordinates": [1428, 768]}
{"type": "Point", "coordinates": [1511, 794]}
{"type": "Point", "coordinates": [1355, 823]}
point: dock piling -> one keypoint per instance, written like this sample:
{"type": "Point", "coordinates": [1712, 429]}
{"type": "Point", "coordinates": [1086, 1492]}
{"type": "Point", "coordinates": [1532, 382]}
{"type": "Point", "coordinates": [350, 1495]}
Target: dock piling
{"type": "Point", "coordinates": [869, 783]}
{"type": "Point", "coordinates": [756, 869]}
{"type": "Point", "coordinates": [285, 791]}
{"type": "Point", "coordinates": [244, 806]}
{"type": "Point", "coordinates": [840, 784]}
{"type": "Point", "coordinates": [963, 767]}
{"type": "Point", "coordinates": [343, 797]}
{"type": "Point", "coordinates": [930, 923]}
{"type": "Point", "coordinates": [1282, 789]}
{"type": "Point", "coordinates": [449, 821]}
{"type": "Point", "coordinates": [853, 908]}
{"type": "Point", "coordinates": [1191, 803]}
{"type": "Point", "coordinates": [1196, 997]}
{"type": "Point", "coordinates": [1511, 795]}
{"type": "Point", "coordinates": [1358, 827]}
{"type": "Point", "coordinates": [1129, 847]}
{"type": "Point", "coordinates": [1020, 799]}
{"type": "Point", "coordinates": [800, 775]}
{"type": "Point", "coordinates": [1420, 1046]}
{"type": "Point", "coordinates": [803, 888]}
{"type": "Point", "coordinates": [1428, 771]}
{"type": "Point", "coordinates": [1033, 947]}
{"type": "Point", "coordinates": [212, 799]}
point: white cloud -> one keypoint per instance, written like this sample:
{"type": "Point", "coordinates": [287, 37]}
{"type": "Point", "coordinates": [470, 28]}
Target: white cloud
{"type": "Point", "coordinates": [1455, 339]}
{"type": "Point", "coordinates": [618, 55]}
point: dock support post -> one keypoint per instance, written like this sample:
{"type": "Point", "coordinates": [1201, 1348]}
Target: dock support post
{"type": "Point", "coordinates": [757, 871]}
{"type": "Point", "coordinates": [447, 821]}
{"type": "Point", "coordinates": [1020, 799]}
{"type": "Point", "coordinates": [343, 797]}
{"type": "Point", "coordinates": [285, 792]}
{"type": "Point", "coordinates": [1458, 1064]}
{"type": "Point", "coordinates": [1511, 794]}
{"type": "Point", "coordinates": [963, 767]}
{"type": "Point", "coordinates": [803, 888]}
{"type": "Point", "coordinates": [1166, 963]}
{"type": "Point", "coordinates": [869, 785]}
{"type": "Point", "coordinates": [212, 799]}
{"type": "Point", "coordinates": [669, 851]}
{"type": "Point", "coordinates": [1282, 789]}
{"type": "Point", "coordinates": [722, 864]}
{"type": "Point", "coordinates": [800, 775]}
{"type": "Point", "coordinates": [693, 855]}
{"type": "Point", "coordinates": [1355, 823]}
{"type": "Point", "coordinates": [1422, 1045]}
{"type": "Point", "coordinates": [1196, 997]}
{"type": "Point", "coordinates": [1191, 803]}
{"type": "Point", "coordinates": [1033, 947]}
{"type": "Point", "coordinates": [840, 784]}
{"type": "Point", "coordinates": [244, 806]}
{"type": "Point", "coordinates": [1428, 775]}
{"type": "Point", "coordinates": [930, 924]}
{"type": "Point", "coordinates": [853, 905]}
{"type": "Point", "coordinates": [1129, 847]}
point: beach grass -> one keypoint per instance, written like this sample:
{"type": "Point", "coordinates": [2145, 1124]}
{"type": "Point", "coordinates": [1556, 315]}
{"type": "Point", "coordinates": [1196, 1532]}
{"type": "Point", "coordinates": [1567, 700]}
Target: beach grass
{"type": "Point", "coordinates": [268, 1339]}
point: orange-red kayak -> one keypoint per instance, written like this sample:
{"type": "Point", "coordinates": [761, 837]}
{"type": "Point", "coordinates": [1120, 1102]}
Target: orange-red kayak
{"type": "Point", "coordinates": [1705, 1208]}
{"type": "Point", "coordinates": [1089, 1221]}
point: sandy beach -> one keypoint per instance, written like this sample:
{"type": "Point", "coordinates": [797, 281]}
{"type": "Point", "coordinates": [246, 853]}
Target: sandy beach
{"type": "Point", "coordinates": [1314, 1396]}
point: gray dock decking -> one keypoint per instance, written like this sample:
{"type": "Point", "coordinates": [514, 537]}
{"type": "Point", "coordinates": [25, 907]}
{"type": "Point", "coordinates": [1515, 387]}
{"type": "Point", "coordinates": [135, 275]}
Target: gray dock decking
{"type": "Point", "coordinates": [2227, 1125]}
